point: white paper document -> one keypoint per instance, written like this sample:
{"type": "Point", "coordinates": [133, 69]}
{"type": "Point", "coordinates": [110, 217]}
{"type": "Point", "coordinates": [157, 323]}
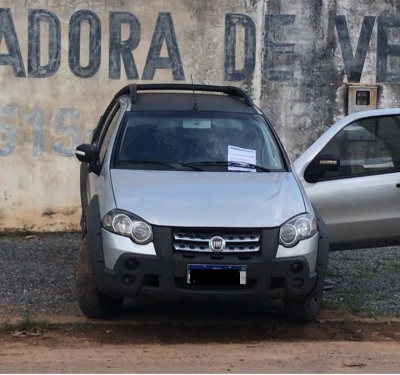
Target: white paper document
{"type": "Point", "coordinates": [241, 155]}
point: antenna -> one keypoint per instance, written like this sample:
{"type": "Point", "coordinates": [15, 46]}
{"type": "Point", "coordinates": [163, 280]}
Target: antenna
{"type": "Point", "coordinates": [195, 108]}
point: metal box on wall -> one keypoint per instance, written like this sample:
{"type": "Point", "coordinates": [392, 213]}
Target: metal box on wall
{"type": "Point", "coordinates": [362, 98]}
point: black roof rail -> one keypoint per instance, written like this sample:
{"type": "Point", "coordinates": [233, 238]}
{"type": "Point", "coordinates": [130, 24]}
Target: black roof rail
{"type": "Point", "coordinates": [132, 90]}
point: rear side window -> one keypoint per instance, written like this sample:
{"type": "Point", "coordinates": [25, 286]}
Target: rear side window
{"type": "Point", "coordinates": [198, 137]}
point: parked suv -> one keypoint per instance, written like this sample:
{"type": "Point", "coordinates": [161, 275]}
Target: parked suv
{"type": "Point", "coordinates": [187, 193]}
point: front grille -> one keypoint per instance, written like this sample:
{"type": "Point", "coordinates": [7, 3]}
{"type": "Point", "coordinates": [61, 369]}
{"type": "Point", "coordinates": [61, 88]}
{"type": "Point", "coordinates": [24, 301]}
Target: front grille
{"type": "Point", "coordinates": [194, 240]}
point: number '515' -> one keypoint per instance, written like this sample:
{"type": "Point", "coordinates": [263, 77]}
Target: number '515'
{"type": "Point", "coordinates": [60, 134]}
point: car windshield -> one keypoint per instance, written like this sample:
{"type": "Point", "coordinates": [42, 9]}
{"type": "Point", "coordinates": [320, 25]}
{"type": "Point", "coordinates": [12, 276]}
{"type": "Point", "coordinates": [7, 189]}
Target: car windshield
{"type": "Point", "coordinates": [197, 141]}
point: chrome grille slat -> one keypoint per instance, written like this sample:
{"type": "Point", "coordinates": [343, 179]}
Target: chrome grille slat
{"type": "Point", "coordinates": [228, 249]}
{"type": "Point", "coordinates": [227, 238]}
{"type": "Point", "coordinates": [198, 241]}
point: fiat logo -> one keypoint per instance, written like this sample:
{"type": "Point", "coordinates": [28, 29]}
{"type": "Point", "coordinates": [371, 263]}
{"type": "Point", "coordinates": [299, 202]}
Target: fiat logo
{"type": "Point", "coordinates": [217, 244]}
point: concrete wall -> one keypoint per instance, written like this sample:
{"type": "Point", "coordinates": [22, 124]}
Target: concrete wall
{"type": "Point", "coordinates": [62, 61]}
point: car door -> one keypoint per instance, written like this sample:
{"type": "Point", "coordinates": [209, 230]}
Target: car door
{"type": "Point", "coordinates": [360, 201]}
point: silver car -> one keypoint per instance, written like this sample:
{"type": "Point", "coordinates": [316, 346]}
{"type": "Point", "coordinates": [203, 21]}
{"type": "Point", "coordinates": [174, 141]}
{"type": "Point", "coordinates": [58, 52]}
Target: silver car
{"type": "Point", "coordinates": [187, 193]}
{"type": "Point", "coordinates": [360, 200]}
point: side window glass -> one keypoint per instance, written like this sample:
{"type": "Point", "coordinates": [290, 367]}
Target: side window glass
{"type": "Point", "coordinates": [108, 131]}
{"type": "Point", "coordinates": [104, 121]}
{"type": "Point", "coordinates": [365, 147]}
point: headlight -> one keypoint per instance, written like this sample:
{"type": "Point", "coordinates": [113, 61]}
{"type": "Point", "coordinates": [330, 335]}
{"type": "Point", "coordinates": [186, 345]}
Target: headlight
{"type": "Point", "coordinates": [129, 225]}
{"type": "Point", "coordinates": [297, 229]}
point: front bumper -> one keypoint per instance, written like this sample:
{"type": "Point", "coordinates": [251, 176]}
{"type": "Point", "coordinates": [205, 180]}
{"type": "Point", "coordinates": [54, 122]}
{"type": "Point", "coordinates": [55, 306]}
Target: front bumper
{"type": "Point", "coordinates": [160, 271]}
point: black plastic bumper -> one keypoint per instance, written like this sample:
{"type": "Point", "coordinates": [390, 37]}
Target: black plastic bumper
{"type": "Point", "coordinates": [140, 275]}
{"type": "Point", "coordinates": [165, 275]}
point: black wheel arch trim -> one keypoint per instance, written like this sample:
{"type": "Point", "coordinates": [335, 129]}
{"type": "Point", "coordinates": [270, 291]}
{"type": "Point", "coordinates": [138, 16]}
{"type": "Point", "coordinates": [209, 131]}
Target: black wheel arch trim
{"type": "Point", "coordinates": [93, 227]}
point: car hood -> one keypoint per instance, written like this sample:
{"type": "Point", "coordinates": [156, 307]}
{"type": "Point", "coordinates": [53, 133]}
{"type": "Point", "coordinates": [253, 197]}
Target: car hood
{"type": "Point", "coordinates": [208, 199]}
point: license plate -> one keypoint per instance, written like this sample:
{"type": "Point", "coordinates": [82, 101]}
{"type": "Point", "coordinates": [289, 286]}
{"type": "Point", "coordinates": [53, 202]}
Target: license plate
{"type": "Point", "coordinates": [210, 274]}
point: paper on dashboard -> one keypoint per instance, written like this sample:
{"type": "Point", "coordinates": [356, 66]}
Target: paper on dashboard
{"type": "Point", "coordinates": [241, 155]}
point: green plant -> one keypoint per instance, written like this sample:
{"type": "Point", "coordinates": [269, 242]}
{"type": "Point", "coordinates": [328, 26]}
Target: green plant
{"type": "Point", "coordinates": [334, 272]}
{"type": "Point", "coordinates": [25, 324]}
{"type": "Point", "coordinates": [348, 319]}
{"type": "Point", "coordinates": [395, 266]}
{"type": "Point", "coordinates": [330, 305]}
{"type": "Point", "coordinates": [352, 301]}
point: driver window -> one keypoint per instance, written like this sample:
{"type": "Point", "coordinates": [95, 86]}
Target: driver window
{"type": "Point", "coordinates": [365, 147]}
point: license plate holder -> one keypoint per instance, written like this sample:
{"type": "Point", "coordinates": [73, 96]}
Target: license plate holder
{"type": "Point", "coordinates": [212, 274]}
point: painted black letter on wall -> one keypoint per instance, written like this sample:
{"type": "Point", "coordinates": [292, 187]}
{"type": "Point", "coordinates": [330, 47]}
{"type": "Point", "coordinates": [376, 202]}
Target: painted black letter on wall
{"type": "Point", "coordinates": [123, 48]}
{"type": "Point", "coordinates": [94, 52]}
{"type": "Point", "coordinates": [164, 30]}
{"type": "Point", "coordinates": [13, 57]}
{"type": "Point", "coordinates": [272, 48]}
{"type": "Point", "coordinates": [385, 49]}
{"type": "Point", "coordinates": [35, 18]}
{"type": "Point", "coordinates": [232, 21]}
{"type": "Point", "coordinates": [354, 65]}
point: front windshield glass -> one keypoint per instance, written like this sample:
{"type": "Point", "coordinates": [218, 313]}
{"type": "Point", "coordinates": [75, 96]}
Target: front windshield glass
{"type": "Point", "coordinates": [197, 141]}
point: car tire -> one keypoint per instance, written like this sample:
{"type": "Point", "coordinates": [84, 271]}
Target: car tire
{"type": "Point", "coordinates": [93, 303]}
{"type": "Point", "coordinates": [304, 310]}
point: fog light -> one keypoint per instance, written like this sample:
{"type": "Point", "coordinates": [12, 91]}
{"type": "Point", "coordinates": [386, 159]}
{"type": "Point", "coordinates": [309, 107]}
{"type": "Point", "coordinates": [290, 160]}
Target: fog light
{"type": "Point", "coordinates": [297, 283]}
{"type": "Point", "coordinates": [128, 280]}
{"type": "Point", "coordinates": [131, 264]}
{"type": "Point", "coordinates": [296, 268]}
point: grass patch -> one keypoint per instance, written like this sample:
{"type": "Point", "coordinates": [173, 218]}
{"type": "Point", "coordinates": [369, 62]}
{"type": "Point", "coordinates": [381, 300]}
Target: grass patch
{"type": "Point", "coordinates": [395, 266]}
{"type": "Point", "coordinates": [348, 320]}
{"type": "Point", "coordinates": [329, 305]}
{"type": "Point", "coordinates": [26, 324]}
{"type": "Point", "coordinates": [31, 327]}
{"type": "Point", "coordinates": [78, 327]}
{"type": "Point", "coordinates": [352, 301]}
{"type": "Point", "coordinates": [334, 272]}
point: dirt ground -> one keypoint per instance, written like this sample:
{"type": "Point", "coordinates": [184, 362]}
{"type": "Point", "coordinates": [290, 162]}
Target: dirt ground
{"type": "Point", "coordinates": [81, 355]}
{"type": "Point", "coordinates": [165, 343]}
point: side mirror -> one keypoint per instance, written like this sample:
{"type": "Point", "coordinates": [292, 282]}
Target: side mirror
{"type": "Point", "coordinates": [87, 153]}
{"type": "Point", "coordinates": [321, 164]}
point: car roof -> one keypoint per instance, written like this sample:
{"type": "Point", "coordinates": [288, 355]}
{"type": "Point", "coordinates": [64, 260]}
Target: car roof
{"type": "Point", "coordinates": [175, 101]}
{"type": "Point", "coordinates": [186, 97]}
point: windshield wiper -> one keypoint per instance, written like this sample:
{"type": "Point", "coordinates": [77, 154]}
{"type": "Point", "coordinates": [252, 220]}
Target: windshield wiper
{"type": "Point", "coordinates": [190, 165]}
{"type": "Point", "coordinates": [157, 162]}
{"type": "Point", "coordinates": [238, 164]}
{"type": "Point", "coordinates": [144, 161]}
